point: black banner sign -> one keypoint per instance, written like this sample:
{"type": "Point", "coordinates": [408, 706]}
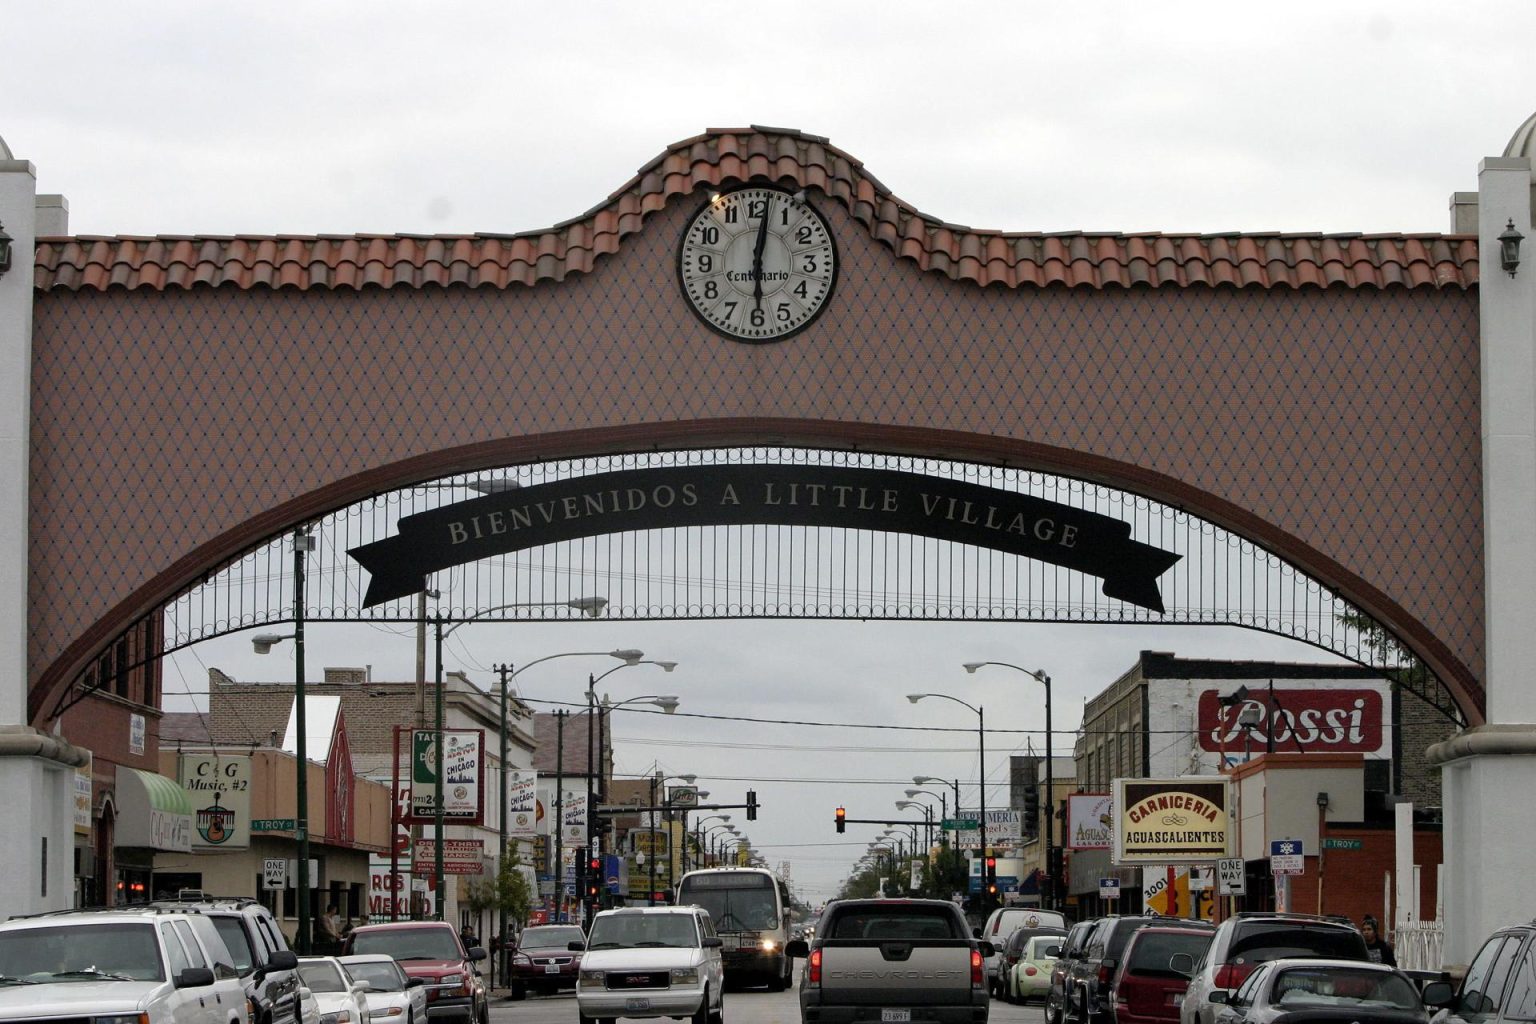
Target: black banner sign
{"type": "Point", "coordinates": [852, 499]}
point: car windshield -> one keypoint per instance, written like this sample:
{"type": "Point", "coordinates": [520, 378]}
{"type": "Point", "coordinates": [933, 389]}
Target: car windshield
{"type": "Point", "coordinates": [408, 943]}
{"type": "Point", "coordinates": [320, 976]}
{"type": "Point", "coordinates": [736, 910]}
{"type": "Point", "coordinates": [112, 951]}
{"type": "Point", "coordinates": [550, 936]}
{"type": "Point", "coordinates": [1039, 944]}
{"type": "Point", "coordinates": [1306, 987]}
{"type": "Point", "coordinates": [625, 931]}
{"type": "Point", "coordinates": [382, 976]}
{"type": "Point", "coordinates": [1152, 955]}
{"type": "Point", "coordinates": [1264, 942]}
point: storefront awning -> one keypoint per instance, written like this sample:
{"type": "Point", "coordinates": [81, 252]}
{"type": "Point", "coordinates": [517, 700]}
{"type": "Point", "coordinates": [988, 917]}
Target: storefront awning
{"type": "Point", "coordinates": [153, 812]}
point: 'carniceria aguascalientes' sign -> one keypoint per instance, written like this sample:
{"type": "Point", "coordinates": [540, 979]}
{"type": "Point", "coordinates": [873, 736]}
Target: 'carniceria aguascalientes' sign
{"type": "Point", "coordinates": [786, 495]}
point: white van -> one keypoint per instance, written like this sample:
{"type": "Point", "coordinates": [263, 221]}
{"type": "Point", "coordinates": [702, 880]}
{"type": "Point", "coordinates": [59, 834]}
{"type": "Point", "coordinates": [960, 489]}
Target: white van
{"type": "Point", "coordinates": [1005, 921]}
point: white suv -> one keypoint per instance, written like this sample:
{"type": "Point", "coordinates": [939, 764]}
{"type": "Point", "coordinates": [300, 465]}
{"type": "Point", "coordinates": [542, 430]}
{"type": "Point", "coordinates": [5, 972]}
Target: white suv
{"type": "Point", "coordinates": [651, 962]}
{"type": "Point", "coordinates": [131, 966]}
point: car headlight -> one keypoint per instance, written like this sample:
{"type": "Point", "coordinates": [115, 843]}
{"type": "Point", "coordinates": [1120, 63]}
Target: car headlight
{"type": "Point", "coordinates": [385, 1011]}
{"type": "Point", "coordinates": [593, 977]}
{"type": "Point", "coordinates": [121, 1018]}
{"type": "Point", "coordinates": [330, 1018]}
{"type": "Point", "coordinates": [685, 975]}
{"type": "Point", "coordinates": [769, 945]}
{"type": "Point", "coordinates": [451, 979]}
{"type": "Point", "coordinates": [522, 958]}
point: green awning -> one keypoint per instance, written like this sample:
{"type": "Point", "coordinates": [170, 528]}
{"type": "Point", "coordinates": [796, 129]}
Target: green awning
{"type": "Point", "coordinates": [153, 811]}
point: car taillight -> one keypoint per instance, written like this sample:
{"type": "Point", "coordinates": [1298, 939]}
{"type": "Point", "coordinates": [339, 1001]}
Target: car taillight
{"type": "Point", "coordinates": [1030, 972]}
{"type": "Point", "coordinates": [1231, 975]}
{"type": "Point", "coordinates": [1106, 971]}
{"type": "Point", "coordinates": [976, 964]}
{"type": "Point", "coordinates": [814, 967]}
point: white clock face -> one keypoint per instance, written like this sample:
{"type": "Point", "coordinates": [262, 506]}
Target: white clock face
{"type": "Point", "coordinates": [757, 264]}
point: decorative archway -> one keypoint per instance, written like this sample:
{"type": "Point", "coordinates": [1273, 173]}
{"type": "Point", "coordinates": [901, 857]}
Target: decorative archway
{"type": "Point", "coordinates": [1316, 395]}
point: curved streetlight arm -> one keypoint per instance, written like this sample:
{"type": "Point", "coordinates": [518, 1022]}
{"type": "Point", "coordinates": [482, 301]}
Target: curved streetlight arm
{"type": "Point", "coordinates": [915, 697]}
{"type": "Point", "coordinates": [589, 606]}
{"type": "Point", "coordinates": [629, 662]}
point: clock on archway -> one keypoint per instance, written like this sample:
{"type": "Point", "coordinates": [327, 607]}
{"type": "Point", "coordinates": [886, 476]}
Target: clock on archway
{"type": "Point", "coordinates": [757, 264]}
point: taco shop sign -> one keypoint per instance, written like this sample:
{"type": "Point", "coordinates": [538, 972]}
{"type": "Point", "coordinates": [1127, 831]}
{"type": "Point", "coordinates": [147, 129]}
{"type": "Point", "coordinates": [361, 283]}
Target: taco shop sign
{"type": "Point", "coordinates": [1172, 821]}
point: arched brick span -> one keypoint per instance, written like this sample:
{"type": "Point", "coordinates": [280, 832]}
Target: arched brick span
{"type": "Point", "coordinates": [1317, 394]}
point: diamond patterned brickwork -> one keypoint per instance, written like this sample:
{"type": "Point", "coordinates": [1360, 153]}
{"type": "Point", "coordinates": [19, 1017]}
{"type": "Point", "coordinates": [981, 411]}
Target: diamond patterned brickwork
{"type": "Point", "coordinates": [168, 418]}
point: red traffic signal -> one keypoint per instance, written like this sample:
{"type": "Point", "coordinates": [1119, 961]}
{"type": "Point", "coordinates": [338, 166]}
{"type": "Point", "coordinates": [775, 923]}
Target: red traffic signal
{"type": "Point", "coordinates": [596, 864]}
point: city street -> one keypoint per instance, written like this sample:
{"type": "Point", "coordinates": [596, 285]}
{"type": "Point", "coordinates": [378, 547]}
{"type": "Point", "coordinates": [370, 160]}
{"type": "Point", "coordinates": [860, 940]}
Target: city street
{"type": "Point", "coordinates": [750, 1006]}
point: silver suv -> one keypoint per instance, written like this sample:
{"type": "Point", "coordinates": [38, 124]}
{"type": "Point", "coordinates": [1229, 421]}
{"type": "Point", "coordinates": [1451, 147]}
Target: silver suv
{"type": "Point", "coordinates": [1243, 942]}
{"type": "Point", "coordinates": [268, 968]}
{"type": "Point", "coordinates": [136, 964]}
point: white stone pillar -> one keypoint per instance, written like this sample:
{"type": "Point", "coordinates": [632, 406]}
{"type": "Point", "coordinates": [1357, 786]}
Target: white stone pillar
{"type": "Point", "coordinates": [18, 213]}
{"type": "Point", "coordinates": [1489, 772]}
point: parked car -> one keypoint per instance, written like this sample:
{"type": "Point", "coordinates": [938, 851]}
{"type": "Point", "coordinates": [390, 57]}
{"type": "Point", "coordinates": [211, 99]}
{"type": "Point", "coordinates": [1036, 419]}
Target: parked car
{"type": "Point", "coordinates": [1154, 970]}
{"type": "Point", "coordinates": [545, 961]}
{"type": "Point", "coordinates": [431, 951]}
{"type": "Point", "coordinates": [342, 998]}
{"type": "Point", "coordinates": [1245, 941]}
{"type": "Point", "coordinates": [1060, 992]}
{"type": "Point", "coordinates": [1003, 922]}
{"type": "Point", "coordinates": [651, 962]}
{"type": "Point", "coordinates": [1316, 991]}
{"type": "Point", "coordinates": [393, 996]}
{"type": "Point", "coordinates": [1031, 975]}
{"type": "Point", "coordinates": [140, 964]}
{"type": "Point", "coordinates": [1094, 972]}
{"type": "Point", "coordinates": [1012, 951]}
{"type": "Point", "coordinates": [268, 968]}
{"type": "Point", "coordinates": [1500, 983]}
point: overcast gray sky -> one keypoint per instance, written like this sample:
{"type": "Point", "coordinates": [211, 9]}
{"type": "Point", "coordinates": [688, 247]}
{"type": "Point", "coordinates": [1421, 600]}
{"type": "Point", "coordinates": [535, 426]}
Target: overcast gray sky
{"type": "Point", "coordinates": [343, 117]}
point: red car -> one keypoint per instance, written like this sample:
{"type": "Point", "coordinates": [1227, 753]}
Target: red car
{"type": "Point", "coordinates": [543, 961]}
{"type": "Point", "coordinates": [1148, 985]}
{"type": "Point", "coordinates": [431, 951]}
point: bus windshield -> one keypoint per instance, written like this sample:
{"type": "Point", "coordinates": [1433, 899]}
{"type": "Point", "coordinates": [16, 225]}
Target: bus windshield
{"type": "Point", "coordinates": [736, 901]}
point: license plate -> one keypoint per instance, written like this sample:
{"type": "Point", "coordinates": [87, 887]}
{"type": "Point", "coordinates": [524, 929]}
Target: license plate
{"type": "Point", "coordinates": [551, 968]}
{"type": "Point", "coordinates": [888, 1016]}
{"type": "Point", "coordinates": [637, 1003]}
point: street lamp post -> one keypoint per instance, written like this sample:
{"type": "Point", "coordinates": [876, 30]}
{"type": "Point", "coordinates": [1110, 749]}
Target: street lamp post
{"type": "Point", "coordinates": [589, 606]}
{"type": "Point", "coordinates": [302, 542]}
{"type": "Point", "coordinates": [906, 805]}
{"type": "Point", "coordinates": [981, 734]}
{"type": "Point", "coordinates": [1040, 676]}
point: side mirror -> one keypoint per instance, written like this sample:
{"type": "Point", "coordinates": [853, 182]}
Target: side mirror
{"type": "Point", "coordinates": [1218, 996]}
{"type": "Point", "coordinates": [476, 954]}
{"type": "Point", "coordinates": [1439, 994]}
{"type": "Point", "coordinates": [194, 977]}
{"type": "Point", "coordinates": [1053, 951]}
{"type": "Point", "coordinates": [575, 945]}
{"type": "Point", "coordinates": [362, 986]}
{"type": "Point", "coordinates": [986, 949]}
{"type": "Point", "coordinates": [711, 942]}
{"type": "Point", "coordinates": [1182, 963]}
{"type": "Point", "coordinates": [283, 960]}
{"type": "Point", "coordinates": [797, 947]}
{"type": "Point", "coordinates": [415, 982]}
{"type": "Point", "coordinates": [975, 933]}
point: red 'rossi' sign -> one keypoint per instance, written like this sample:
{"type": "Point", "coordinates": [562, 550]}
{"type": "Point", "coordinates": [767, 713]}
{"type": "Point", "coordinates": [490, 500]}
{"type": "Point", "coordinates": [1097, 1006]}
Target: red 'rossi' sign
{"type": "Point", "coordinates": [1297, 721]}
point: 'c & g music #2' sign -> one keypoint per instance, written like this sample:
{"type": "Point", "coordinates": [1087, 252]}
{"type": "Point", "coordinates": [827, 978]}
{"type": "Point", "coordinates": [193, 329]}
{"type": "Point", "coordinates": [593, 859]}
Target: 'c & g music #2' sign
{"type": "Point", "coordinates": [679, 496]}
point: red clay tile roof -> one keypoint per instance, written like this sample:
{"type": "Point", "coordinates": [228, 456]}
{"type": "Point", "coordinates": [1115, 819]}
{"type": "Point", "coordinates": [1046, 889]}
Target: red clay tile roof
{"type": "Point", "coordinates": [722, 156]}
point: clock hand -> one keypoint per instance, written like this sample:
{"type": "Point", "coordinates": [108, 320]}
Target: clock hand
{"type": "Point", "coordinates": [757, 255]}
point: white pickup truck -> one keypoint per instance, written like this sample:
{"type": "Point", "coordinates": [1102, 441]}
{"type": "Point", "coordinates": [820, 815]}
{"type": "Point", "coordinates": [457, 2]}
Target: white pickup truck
{"type": "Point", "coordinates": [894, 961]}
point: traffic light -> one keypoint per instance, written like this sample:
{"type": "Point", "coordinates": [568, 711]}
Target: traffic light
{"type": "Point", "coordinates": [751, 805]}
{"type": "Point", "coordinates": [989, 875]}
{"type": "Point", "coordinates": [841, 817]}
{"type": "Point", "coordinates": [1032, 810]}
{"type": "Point", "coordinates": [594, 875]}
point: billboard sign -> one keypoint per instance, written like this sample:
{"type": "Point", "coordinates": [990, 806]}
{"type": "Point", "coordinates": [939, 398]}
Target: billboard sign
{"type": "Point", "coordinates": [1172, 821]}
{"type": "Point", "coordinates": [1090, 821]}
{"type": "Point", "coordinates": [1295, 721]}
{"type": "Point", "coordinates": [220, 787]}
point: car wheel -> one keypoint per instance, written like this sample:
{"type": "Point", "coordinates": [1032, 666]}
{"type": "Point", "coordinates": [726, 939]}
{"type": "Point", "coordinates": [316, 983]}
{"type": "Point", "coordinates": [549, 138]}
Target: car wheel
{"type": "Point", "coordinates": [719, 1015]}
{"type": "Point", "coordinates": [701, 1015]}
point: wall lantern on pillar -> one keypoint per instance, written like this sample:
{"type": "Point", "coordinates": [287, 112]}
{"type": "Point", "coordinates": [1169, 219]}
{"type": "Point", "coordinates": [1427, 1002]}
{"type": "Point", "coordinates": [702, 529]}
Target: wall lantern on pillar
{"type": "Point", "coordinates": [5, 251]}
{"type": "Point", "coordinates": [1509, 249]}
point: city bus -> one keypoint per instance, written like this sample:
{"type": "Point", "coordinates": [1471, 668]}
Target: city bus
{"type": "Point", "coordinates": [750, 908]}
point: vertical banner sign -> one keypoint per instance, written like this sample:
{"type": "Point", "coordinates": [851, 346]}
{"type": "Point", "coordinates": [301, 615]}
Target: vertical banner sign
{"type": "Point", "coordinates": [83, 806]}
{"type": "Point", "coordinates": [522, 808]}
{"type": "Point", "coordinates": [220, 786]}
{"type": "Point", "coordinates": [917, 876]}
{"type": "Point", "coordinates": [574, 828]}
{"type": "Point", "coordinates": [463, 775]}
